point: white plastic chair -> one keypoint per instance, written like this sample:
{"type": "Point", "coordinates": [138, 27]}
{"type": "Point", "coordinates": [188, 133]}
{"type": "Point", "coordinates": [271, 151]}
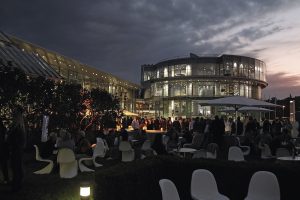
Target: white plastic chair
{"type": "Point", "coordinates": [204, 186]}
{"type": "Point", "coordinates": [48, 168]}
{"type": "Point", "coordinates": [99, 151]}
{"type": "Point", "coordinates": [68, 167]}
{"type": "Point", "coordinates": [146, 149]}
{"type": "Point", "coordinates": [235, 154]}
{"type": "Point", "coordinates": [266, 152]}
{"type": "Point", "coordinates": [245, 149]}
{"type": "Point", "coordinates": [212, 150]}
{"type": "Point", "coordinates": [263, 185]}
{"type": "Point", "coordinates": [282, 152]}
{"type": "Point", "coordinates": [200, 154]}
{"type": "Point", "coordinates": [168, 190]}
{"type": "Point", "coordinates": [127, 151]}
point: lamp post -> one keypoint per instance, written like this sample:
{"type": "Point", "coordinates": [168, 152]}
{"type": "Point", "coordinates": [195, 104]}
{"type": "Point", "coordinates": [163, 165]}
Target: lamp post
{"type": "Point", "coordinates": [283, 110]}
{"type": "Point", "coordinates": [292, 110]}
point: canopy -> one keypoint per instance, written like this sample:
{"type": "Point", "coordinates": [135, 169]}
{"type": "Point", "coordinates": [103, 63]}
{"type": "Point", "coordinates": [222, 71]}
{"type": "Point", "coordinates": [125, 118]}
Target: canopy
{"type": "Point", "coordinates": [128, 113]}
{"type": "Point", "coordinates": [238, 101]}
{"type": "Point", "coordinates": [246, 109]}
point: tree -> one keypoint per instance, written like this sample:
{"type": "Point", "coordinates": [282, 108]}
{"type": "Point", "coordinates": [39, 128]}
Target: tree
{"type": "Point", "coordinates": [13, 89]}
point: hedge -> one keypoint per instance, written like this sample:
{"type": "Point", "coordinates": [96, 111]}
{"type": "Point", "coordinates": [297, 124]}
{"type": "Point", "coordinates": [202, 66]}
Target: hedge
{"type": "Point", "coordinates": [139, 179]}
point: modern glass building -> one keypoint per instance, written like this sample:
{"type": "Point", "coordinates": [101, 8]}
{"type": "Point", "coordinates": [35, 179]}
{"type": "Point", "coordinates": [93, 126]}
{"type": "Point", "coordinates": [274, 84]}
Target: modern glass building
{"type": "Point", "coordinates": [177, 87]}
{"type": "Point", "coordinates": [38, 61]}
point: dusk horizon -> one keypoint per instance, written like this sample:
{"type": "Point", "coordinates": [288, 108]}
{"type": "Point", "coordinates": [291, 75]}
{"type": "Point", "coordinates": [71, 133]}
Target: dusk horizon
{"type": "Point", "coordinates": [117, 37]}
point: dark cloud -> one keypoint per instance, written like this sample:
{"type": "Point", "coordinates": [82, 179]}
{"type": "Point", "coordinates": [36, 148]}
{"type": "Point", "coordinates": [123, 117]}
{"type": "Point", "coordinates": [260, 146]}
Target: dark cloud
{"type": "Point", "coordinates": [118, 36]}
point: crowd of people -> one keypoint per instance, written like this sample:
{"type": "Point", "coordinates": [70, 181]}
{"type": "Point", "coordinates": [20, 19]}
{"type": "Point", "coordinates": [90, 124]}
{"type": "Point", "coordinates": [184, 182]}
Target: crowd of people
{"type": "Point", "coordinates": [171, 134]}
{"type": "Point", "coordinates": [199, 132]}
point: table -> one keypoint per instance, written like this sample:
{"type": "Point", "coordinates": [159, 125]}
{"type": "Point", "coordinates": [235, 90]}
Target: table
{"type": "Point", "coordinates": [185, 150]}
{"type": "Point", "coordinates": [151, 134]}
{"type": "Point", "coordinates": [289, 158]}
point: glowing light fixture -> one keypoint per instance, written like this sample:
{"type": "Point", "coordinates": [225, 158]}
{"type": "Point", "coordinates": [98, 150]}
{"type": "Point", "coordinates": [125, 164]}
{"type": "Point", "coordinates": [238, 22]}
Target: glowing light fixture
{"type": "Point", "coordinates": [85, 192]}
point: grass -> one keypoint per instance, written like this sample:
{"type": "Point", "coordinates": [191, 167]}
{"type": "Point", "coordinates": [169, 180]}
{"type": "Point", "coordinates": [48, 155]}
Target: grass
{"type": "Point", "coordinates": [49, 186]}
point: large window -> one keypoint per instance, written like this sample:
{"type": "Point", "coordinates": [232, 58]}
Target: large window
{"type": "Point", "coordinates": [203, 89]}
{"type": "Point", "coordinates": [178, 89]}
{"type": "Point", "coordinates": [147, 75]}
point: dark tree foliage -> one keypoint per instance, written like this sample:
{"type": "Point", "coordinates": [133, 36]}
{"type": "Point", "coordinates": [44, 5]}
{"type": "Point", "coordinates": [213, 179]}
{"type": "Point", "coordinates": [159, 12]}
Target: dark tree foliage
{"type": "Point", "coordinates": [13, 89]}
{"type": "Point", "coordinates": [63, 102]}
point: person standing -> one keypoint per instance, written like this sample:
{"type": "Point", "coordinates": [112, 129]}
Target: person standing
{"type": "Point", "coordinates": [4, 152]}
{"type": "Point", "coordinates": [17, 141]}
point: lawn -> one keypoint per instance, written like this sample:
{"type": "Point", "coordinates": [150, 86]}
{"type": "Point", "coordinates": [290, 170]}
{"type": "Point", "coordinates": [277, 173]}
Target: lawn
{"type": "Point", "coordinates": [50, 186]}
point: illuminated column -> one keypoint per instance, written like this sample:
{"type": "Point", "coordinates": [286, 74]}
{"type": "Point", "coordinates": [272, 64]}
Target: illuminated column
{"type": "Point", "coordinates": [292, 111]}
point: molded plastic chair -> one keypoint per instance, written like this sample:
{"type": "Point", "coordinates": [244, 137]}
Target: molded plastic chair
{"type": "Point", "coordinates": [127, 151]}
{"type": "Point", "coordinates": [68, 167]}
{"type": "Point", "coordinates": [263, 185]}
{"type": "Point", "coordinates": [146, 149]}
{"type": "Point", "coordinates": [204, 186]}
{"type": "Point", "coordinates": [282, 152]}
{"type": "Point", "coordinates": [99, 151]}
{"type": "Point", "coordinates": [168, 190]}
{"type": "Point", "coordinates": [200, 154]}
{"type": "Point", "coordinates": [48, 168]}
{"type": "Point", "coordinates": [266, 152]}
{"type": "Point", "coordinates": [235, 154]}
{"type": "Point", "coordinates": [212, 150]}
{"type": "Point", "coordinates": [245, 149]}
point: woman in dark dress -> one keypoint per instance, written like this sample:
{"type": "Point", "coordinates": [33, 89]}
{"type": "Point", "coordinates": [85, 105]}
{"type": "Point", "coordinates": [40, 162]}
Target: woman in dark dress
{"type": "Point", "coordinates": [4, 152]}
{"type": "Point", "coordinates": [17, 141]}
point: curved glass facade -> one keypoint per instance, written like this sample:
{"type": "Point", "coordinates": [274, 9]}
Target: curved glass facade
{"type": "Point", "coordinates": [176, 87]}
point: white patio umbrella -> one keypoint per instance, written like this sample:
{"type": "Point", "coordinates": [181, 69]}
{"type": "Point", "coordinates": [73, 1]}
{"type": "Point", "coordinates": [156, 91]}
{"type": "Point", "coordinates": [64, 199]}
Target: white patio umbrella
{"type": "Point", "coordinates": [238, 102]}
{"type": "Point", "coordinates": [252, 108]}
{"type": "Point", "coordinates": [247, 109]}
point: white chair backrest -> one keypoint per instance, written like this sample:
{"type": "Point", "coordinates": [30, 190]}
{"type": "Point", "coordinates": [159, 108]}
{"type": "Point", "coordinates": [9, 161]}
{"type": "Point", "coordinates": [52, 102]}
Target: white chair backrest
{"type": "Point", "coordinates": [168, 190]}
{"type": "Point", "coordinates": [65, 155]}
{"type": "Point", "coordinates": [266, 151]}
{"type": "Point", "coordinates": [199, 154]}
{"type": "Point", "coordinates": [146, 145]}
{"type": "Point", "coordinates": [203, 185]}
{"type": "Point", "coordinates": [235, 154]}
{"type": "Point", "coordinates": [212, 147]}
{"type": "Point", "coordinates": [264, 185]}
{"type": "Point", "coordinates": [99, 149]}
{"type": "Point", "coordinates": [125, 146]}
{"type": "Point", "coordinates": [211, 155]}
{"type": "Point", "coordinates": [37, 153]}
{"type": "Point", "coordinates": [282, 152]}
{"type": "Point", "coordinates": [165, 139]}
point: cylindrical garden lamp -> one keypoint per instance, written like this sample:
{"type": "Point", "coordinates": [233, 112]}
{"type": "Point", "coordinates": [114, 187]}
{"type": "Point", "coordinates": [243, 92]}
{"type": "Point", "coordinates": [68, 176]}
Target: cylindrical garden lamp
{"type": "Point", "coordinates": [85, 191]}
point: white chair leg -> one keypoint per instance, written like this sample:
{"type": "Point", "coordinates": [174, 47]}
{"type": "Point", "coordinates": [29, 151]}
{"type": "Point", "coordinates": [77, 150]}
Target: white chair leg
{"type": "Point", "coordinates": [46, 170]}
{"type": "Point", "coordinates": [82, 167]}
{"type": "Point", "coordinates": [95, 163]}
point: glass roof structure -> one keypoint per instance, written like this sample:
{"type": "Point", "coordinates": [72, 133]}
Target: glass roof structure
{"type": "Point", "coordinates": [30, 63]}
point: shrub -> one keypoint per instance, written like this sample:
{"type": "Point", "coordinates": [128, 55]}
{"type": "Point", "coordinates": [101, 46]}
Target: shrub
{"type": "Point", "coordinates": [139, 179]}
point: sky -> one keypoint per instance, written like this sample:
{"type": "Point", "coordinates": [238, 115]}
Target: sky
{"type": "Point", "coordinates": [118, 36]}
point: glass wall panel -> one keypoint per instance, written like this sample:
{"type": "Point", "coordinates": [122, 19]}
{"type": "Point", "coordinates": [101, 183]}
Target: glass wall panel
{"type": "Point", "coordinates": [166, 72]}
{"type": "Point", "coordinates": [158, 89]}
{"type": "Point", "coordinates": [147, 75]}
{"type": "Point", "coordinates": [242, 89]}
{"type": "Point", "coordinates": [171, 71]}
